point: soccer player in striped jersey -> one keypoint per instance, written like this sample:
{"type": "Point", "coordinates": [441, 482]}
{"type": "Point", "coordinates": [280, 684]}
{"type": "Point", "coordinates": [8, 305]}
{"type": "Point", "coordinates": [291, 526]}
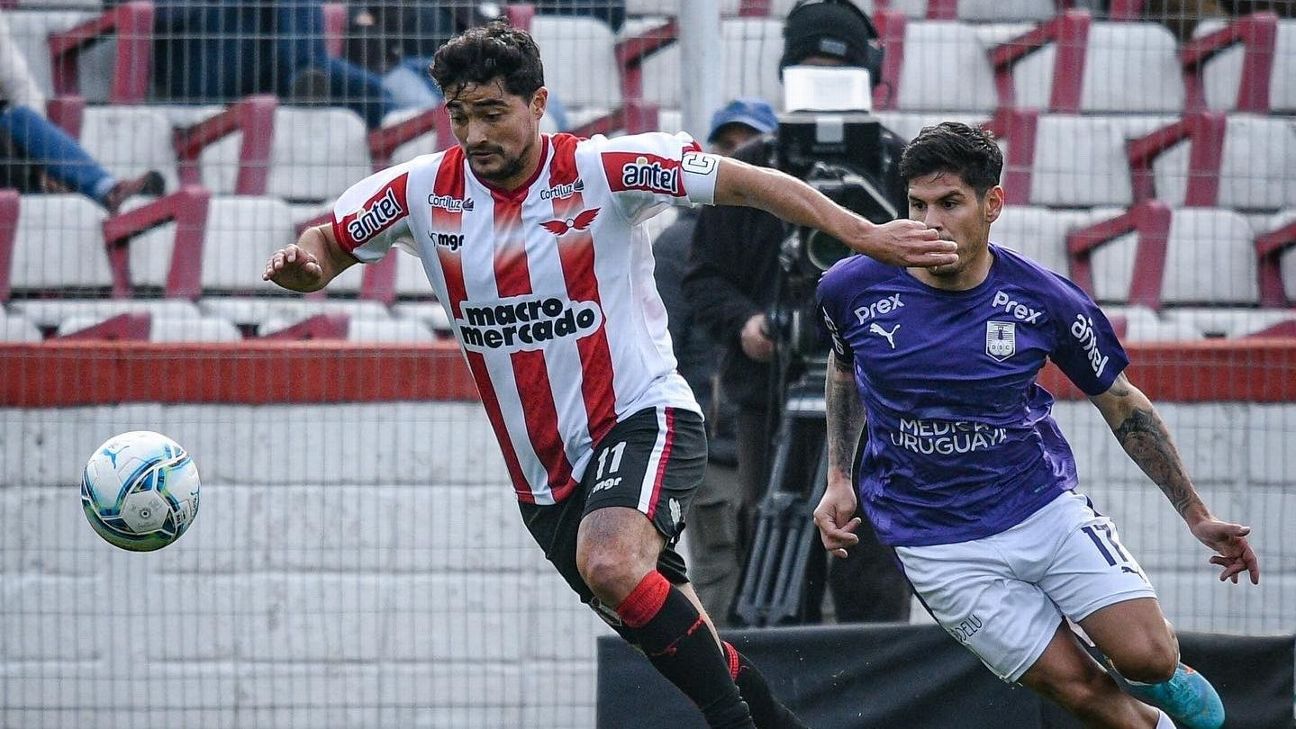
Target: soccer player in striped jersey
{"type": "Point", "coordinates": [532, 243]}
{"type": "Point", "coordinates": [968, 477]}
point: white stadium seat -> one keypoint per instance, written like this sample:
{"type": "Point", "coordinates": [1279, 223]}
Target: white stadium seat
{"type": "Point", "coordinates": [389, 330]}
{"type": "Point", "coordinates": [59, 246]}
{"type": "Point", "coordinates": [1229, 321]}
{"type": "Point", "coordinates": [579, 59]}
{"type": "Point", "coordinates": [1040, 233]}
{"type": "Point", "coordinates": [931, 49]}
{"type": "Point", "coordinates": [30, 30]}
{"type": "Point", "coordinates": [51, 314]}
{"type": "Point", "coordinates": [130, 140]}
{"type": "Point", "coordinates": [317, 153]}
{"type": "Point", "coordinates": [1255, 169]}
{"type": "Point", "coordinates": [16, 328]}
{"type": "Point", "coordinates": [1129, 68]}
{"type": "Point", "coordinates": [1081, 161]}
{"type": "Point", "coordinates": [752, 47]}
{"type": "Point", "coordinates": [1222, 74]}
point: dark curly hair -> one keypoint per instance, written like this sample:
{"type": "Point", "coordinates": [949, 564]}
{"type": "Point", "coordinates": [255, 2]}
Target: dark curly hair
{"type": "Point", "coordinates": [967, 151]}
{"type": "Point", "coordinates": [482, 54]}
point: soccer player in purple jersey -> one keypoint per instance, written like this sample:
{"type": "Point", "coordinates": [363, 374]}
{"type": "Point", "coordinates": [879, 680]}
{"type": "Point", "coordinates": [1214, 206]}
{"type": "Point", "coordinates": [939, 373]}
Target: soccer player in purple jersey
{"type": "Point", "coordinates": [968, 477]}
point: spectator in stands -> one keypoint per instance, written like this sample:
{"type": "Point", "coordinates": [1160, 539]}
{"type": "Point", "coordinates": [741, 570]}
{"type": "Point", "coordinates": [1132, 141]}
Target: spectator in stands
{"type": "Point", "coordinates": [717, 540]}
{"type": "Point", "coordinates": [40, 157]}
{"type": "Point", "coordinates": [396, 40]}
{"type": "Point", "coordinates": [731, 302]}
{"type": "Point", "coordinates": [209, 51]}
{"type": "Point", "coordinates": [969, 479]}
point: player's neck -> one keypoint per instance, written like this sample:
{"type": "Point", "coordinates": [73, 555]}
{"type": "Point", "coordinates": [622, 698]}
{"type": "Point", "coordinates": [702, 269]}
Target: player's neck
{"type": "Point", "coordinates": [968, 277]}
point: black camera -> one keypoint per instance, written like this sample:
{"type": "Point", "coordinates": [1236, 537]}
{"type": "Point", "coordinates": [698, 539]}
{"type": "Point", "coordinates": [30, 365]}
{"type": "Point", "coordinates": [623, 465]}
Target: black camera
{"type": "Point", "coordinates": [840, 154]}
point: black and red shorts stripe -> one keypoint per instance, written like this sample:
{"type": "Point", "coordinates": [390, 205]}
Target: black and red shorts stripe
{"type": "Point", "coordinates": [651, 461]}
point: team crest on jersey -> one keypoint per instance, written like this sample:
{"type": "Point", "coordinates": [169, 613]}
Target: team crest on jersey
{"type": "Point", "coordinates": [1001, 339]}
{"type": "Point", "coordinates": [583, 220]}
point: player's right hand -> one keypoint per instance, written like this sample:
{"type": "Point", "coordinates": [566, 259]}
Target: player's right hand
{"type": "Point", "coordinates": [908, 243]}
{"type": "Point", "coordinates": [835, 517]}
{"type": "Point", "coordinates": [292, 267]}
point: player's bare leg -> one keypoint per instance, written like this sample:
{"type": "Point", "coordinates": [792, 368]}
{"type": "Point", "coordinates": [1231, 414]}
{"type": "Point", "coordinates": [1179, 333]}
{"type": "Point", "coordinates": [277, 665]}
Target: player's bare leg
{"type": "Point", "coordinates": [1143, 650]}
{"type": "Point", "coordinates": [616, 552]}
{"type": "Point", "coordinates": [1066, 674]}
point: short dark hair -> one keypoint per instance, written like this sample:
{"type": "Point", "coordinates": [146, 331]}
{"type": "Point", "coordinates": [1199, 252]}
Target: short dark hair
{"type": "Point", "coordinates": [482, 54]}
{"type": "Point", "coordinates": [967, 151]}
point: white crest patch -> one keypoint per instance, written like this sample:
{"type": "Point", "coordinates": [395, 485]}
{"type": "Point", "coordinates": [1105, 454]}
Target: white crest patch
{"type": "Point", "coordinates": [1001, 339]}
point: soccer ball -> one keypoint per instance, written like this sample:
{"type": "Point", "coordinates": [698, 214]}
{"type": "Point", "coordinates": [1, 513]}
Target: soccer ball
{"type": "Point", "coordinates": [140, 491]}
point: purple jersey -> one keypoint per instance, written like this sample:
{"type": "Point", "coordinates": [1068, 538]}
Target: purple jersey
{"type": "Point", "coordinates": [961, 443]}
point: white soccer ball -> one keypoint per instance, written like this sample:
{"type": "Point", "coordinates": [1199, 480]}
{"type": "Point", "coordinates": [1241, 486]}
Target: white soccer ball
{"type": "Point", "coordinates": [140, 490]}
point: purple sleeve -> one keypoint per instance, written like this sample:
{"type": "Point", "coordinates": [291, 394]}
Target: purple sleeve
{"type": "Point", "coordinates": [828, 307]}
{"type": "Point", "coordinates": [1087, 348]}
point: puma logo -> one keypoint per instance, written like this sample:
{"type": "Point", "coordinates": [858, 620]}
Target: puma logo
{"type": "Point", "coordinates": [875, 328]}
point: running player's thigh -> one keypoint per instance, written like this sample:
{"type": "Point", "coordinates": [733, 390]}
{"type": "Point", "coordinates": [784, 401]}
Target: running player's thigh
{"type": "Point", "coordinates": [1090, 568]}
{"type": "Point", "coordinates": [651, 462]}
{"type": "Point", "coordinates": [970, 590]}
{"type": "Point", "coordinates": [1133, 634]}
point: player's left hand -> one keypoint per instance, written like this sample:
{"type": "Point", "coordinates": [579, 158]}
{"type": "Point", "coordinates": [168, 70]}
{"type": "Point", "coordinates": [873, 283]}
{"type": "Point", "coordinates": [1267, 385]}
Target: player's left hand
{"type": "Point", "coordinates": [835, 517]}
{"type": "Point", "coordinates": [1234, 552]}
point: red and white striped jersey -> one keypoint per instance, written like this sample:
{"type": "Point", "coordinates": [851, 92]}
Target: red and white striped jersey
{"type": "Point", "coordinates": [549, 286]}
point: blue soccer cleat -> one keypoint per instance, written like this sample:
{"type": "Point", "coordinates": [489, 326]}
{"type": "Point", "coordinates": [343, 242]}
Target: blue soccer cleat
{"type": "Point", "coordinates": [1187, 697]}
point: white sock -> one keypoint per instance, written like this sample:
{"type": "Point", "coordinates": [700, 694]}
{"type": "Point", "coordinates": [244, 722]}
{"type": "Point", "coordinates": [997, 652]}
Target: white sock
{"type": "Point", "coordinates": [1163, 721]}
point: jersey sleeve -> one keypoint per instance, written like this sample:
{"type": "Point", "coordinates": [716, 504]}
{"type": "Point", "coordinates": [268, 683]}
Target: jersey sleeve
{"type": "Point", "coordinates": [828, 304]}
{"type": "Point", "coordinates": [648, 172]}
{"type": "Point", "coordinates": [373, 214]}
{"type": "Point", "coordinates": [1087, 349]}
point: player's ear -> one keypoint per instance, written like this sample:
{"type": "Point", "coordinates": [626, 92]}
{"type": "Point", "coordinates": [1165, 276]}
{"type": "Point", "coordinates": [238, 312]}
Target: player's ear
{"type": "Point", "coordinates": [994, 203]}
{"type": "Point", "coordinates": [539, 103]}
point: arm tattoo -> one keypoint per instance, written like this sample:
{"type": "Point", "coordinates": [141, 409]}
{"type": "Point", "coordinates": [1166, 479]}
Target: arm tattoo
{"type": "Point", "coordinates": [1144, 437]}
{"type": "Point", "coordinates": [845, 417]}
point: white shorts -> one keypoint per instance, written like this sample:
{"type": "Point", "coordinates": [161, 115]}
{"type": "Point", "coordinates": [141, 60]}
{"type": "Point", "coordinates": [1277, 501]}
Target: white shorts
{"type": "Point", "coordinates": [1005, 595]}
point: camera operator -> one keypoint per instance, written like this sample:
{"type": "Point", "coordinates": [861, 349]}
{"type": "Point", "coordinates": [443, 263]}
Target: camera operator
{"type": "Point", "coordinates": [734, 274]}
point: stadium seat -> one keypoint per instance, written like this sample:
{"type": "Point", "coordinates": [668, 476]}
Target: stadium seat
{"type": "Point", "coordinates": [751, 49]}
{"type": "Point", "coordinates": [389, 330]}
{"type": "Point", "coordinates": [1246, 64]}
{"type": "Point", "coordinates": [1276, 250]}
{"type": "Point", "coordinates": [930, 50]}
{"type": "Point", "coordinates": [16, 328]}
{"type": "Point", "coordinates": [1154, 256]}
{"type": "Point", "coordinates": [1074, 64]}
{"type": "Point", "coordinates": [430, 313]}
{"type": "Point", "coordinates": [1234, 322]}
{"type": "Point", "coordinates": [31, 31]}
{"type": "Point", "coordinates": [130, 140]}
{"type": "Point", "coordinates": [159, 328]}
{"type": "Point", "coordinates": [580, 64]}
{"type": "Point", "coordinates": [57, 248]}
{"type": "Point", "coordinates": [1040, 233]}
{"type": "Point", "coordinates": [1141, 324]}
{"type": "Point", "coordinates": [48, 315]}
{"type": "Point", "coordinates": [1253, 171]}
{"type": "Point", "coordinates": [906, 125]}
{"type": "Point", "coordinates": [317, 153]}
{"type": "Point", "coordinates": [1080, 161]}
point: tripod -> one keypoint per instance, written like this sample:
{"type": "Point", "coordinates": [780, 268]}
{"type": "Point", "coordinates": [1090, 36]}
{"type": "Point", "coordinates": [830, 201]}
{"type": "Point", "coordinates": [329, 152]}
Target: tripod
{"type": "Point", "coordinates": [781, 583]}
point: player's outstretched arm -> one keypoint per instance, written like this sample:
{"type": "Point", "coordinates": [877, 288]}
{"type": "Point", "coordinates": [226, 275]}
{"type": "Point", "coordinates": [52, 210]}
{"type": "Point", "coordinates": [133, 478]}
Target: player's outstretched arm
{"type": "Point", "coordinates": [835, 514]}
{"type": "Point", "coordinates": [310, 263]}
{"type": "Point", "coordinates": [1144, 437]}
{"type": "Point", "coordinates": [899, 242]}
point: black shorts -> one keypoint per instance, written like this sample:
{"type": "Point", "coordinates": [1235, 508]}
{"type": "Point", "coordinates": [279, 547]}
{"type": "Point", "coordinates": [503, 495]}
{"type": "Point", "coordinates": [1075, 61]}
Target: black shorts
{"type": "Point", "coordinates": [652, 462]}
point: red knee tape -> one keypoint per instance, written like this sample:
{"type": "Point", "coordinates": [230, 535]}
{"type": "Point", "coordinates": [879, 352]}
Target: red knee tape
{"type": "Point", "coordinates": [643, 602]}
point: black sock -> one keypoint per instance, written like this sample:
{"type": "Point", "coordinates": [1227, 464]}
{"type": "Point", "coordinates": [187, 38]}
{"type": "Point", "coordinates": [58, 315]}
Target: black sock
{"type": "Point", "coordinates": [676, 640]}
{"type": "Point", "coordinates": [767, 712]}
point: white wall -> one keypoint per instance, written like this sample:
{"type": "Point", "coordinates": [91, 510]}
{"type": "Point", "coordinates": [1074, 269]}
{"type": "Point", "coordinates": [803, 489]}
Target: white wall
{"type": "Point", "coordinates": [364, 566]}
